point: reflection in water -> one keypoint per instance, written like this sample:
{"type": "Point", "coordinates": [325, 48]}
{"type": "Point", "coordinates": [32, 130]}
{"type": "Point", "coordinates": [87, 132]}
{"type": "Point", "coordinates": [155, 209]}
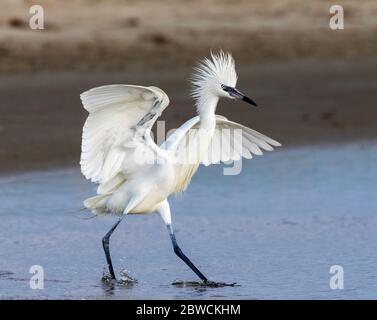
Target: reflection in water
{"type": "Point", "coordinates": [201, 284]}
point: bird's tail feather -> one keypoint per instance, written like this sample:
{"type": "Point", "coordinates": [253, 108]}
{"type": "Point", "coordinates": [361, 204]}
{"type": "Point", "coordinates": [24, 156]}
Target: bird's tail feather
{"type": "Point", "coordinates": [97, 203]}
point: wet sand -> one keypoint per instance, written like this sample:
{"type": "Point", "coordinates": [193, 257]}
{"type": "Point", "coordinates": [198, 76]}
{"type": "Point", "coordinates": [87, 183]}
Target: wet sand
{"type": "Point", "coordinates": [301, 103]}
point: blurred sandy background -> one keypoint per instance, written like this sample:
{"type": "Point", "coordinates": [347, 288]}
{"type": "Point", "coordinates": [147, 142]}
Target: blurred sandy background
{"type": "Point", "coordinates": [314, 84]}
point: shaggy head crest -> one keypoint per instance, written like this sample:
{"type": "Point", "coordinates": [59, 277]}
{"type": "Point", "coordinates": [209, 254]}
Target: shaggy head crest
{"type": "Point", "coordinates": [211, 74]}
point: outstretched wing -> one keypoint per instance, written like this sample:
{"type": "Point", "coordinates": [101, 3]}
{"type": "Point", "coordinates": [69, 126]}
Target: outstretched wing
{"type": "Point", "coordinates": [120, 121]}
{"type": "Point", "coordinates": [231, 141]}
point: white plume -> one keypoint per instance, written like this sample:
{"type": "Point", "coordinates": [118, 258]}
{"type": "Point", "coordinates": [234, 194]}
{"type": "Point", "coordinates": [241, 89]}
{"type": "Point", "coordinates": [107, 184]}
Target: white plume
{"type": "Point", "coordinates": [210, 74]}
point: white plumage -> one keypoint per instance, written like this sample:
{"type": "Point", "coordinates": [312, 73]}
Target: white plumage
{"type": "Point", "coordinates": [134, 175]}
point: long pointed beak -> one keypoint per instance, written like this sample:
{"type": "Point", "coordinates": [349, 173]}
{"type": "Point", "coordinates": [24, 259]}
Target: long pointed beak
{"type": "Point", "coordinates": [240, 96]}
{"type": "Point", "coordinates": [248, 100]}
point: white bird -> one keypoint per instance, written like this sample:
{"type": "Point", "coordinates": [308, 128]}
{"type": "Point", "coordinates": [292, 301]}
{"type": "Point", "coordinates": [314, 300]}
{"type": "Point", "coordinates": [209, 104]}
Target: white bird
{"type": "Point", "coordinates": [134, 174]}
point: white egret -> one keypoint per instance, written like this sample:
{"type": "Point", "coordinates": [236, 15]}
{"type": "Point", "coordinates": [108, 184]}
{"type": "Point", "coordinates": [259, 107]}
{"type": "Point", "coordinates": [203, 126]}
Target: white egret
{"type": "Point", "coordinates": [117, 145]}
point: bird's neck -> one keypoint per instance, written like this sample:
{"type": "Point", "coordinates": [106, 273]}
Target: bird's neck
{"type": "Point", "coordinates": [206, 108]}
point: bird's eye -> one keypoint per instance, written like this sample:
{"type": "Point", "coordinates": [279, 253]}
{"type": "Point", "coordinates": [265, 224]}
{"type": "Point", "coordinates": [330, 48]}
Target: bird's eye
{"type": "Point", "coordinates": [225, 88]}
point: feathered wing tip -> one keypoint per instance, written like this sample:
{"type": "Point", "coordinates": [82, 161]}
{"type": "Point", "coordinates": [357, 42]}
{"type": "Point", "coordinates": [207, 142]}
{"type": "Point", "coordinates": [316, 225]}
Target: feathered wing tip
{"type": "Point", "coordinates": [217, 70]}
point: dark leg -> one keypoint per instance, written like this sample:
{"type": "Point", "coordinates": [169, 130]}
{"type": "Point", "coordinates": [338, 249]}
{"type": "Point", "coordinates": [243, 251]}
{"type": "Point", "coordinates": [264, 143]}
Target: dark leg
{"type": "Point", "coordinates": [180, 254]}
{"type": "Point", "coordinates": [106, 247]}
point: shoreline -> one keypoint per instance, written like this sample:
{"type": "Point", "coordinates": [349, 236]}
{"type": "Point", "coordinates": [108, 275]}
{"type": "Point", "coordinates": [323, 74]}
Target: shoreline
{"type": "Point", "coordinates": [41, 167]}
{"type": "Point", "coordinates": [42, 116]}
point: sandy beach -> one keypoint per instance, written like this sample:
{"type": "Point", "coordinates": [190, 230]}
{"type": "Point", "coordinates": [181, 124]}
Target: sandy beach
{"type": "Point", "coordinates": [143, 35]}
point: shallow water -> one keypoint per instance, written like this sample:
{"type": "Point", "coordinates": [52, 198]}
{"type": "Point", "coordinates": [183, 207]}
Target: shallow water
{"type": "Point", "coordinates": [275, 229]}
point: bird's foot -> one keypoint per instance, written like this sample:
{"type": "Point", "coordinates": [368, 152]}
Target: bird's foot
{"type": "Point", "coordinates": [209, 284]}
{"type": "Point", "coordinates": [214, 284]}
{"type": "Point", "coordinates": [124, 280]}
{"type": "Point", "coordinates": [107, 277]}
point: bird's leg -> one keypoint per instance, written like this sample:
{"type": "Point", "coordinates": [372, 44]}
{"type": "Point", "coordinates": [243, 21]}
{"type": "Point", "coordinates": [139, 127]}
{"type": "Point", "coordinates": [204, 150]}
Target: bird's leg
{"type": "Point", "coordinates": [179, 253]}
{"type": "Point", "coordinates": [164, 211]}
{"type": "Point", "coordinates": [106, 247]}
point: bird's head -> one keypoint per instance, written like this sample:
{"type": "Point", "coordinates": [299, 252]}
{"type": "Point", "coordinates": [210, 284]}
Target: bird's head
{"type": "Point", "coordinates": [216, 76]}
